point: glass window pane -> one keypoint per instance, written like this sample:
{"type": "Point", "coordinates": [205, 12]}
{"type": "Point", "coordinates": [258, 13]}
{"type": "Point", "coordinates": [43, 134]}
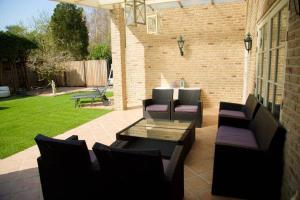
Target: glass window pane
{"type": "Point", "coordinates": [259, 64]}
{"type": "Point", "coordinates": [261, 40]}
{"type": "Point", "coordinates": [263, 91]}
{"type": "Point", "coordinates": [270, 96]}
{"type": "Point", "coordinates": [281, 63]}
{"type": "Point", "coordinates": [265, 36]}
{"type": "Point", "coordinates": [275, 31]}
{"type": "Point", "coordinates": [283, 23]}
{"type": "Point", "coordinates": [258, 87]}
{"type": "Point", "coordinates": [273, 65]}
{"type": "Point", "coordinates": [278, 101]}
{"type": "Point", "coordinates": [264, 66]}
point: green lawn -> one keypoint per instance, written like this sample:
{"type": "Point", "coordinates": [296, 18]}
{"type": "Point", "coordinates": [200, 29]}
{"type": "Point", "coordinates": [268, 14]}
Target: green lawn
{"type": "Point", "coordinates": [22, 118]}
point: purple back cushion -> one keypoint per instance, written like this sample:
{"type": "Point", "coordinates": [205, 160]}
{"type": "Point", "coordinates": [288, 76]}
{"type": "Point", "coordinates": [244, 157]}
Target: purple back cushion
{"type": "Point", "coordinates": [265, 126]}
{"type": "Point", "coordinates": [251, 106]}
{"type": "Point", "coordinates": [128, 165]}
{"type": "Point", "coordinates": [63, 152]}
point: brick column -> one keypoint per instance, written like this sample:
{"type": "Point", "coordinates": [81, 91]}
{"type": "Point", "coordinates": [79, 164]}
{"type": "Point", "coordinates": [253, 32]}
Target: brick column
{"type": "Point", "coordinates": [291, 109]}
{"type": "Point", "coordinates": [118, 36]}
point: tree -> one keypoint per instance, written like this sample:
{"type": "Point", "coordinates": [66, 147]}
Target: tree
{"type": "Point", "coordinates": [101, 51]}
{"type": "Point", "coordinates": [47, 61]}
{"type": "Point", "coordinates": [69, 31]}
{"type": "Point", "coordinates": [19, 30]}
{"type": "Point", "coordinates": [98, 23]}
{"type": "Point", "coordinates": [14, 48]}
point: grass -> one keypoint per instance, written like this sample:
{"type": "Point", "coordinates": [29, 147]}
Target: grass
{"type": "Point", "coordinates": [22, 118]}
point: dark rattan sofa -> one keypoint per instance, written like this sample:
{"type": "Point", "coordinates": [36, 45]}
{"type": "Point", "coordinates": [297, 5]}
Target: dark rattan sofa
{"type": "Point", "coordinates": [188, 106]}
{"type": "Point", "coordinates": [159, 107]}
{"type": "Point", "coordinates": [141, 174]}
{"type": "Point", "coordinates": [248, 161]}
{"type": "Point", "coordinates": [68, 170]}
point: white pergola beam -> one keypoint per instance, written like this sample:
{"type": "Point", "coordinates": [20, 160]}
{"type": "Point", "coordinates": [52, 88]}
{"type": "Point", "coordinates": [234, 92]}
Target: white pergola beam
{"type": "Point", "coordinates": [108, 4]}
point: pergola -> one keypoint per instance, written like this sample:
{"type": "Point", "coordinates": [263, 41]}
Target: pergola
{"type": "Point", "coordinates": [152, 4]}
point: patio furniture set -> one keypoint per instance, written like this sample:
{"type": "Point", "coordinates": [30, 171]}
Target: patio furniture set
{"type": "Point", "coordinates": [248, 152]}
{"type": "Point", "coordinates": [145, 162]}
{"type": "Point", "coordinates": [147, 159]}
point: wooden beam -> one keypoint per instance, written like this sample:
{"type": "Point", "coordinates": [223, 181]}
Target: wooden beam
{"type": "Point", "coordinates": [180, 4]}
{"type": "Point", "coordinates": [149, 6]}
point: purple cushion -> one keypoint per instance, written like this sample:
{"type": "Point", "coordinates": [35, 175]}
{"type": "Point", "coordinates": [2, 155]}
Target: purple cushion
{"type": "Point", "coordinates": [186, 108]}
{"type": "Point", "coordinates": [236, 136]}
{"type": "Point", "coordinates": [232, 113]}
{"type": "Point", "coordinates": [157, 108]}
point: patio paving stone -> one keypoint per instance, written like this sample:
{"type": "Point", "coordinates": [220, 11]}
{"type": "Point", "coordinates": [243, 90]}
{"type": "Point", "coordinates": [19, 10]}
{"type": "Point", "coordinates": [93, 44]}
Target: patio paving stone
{"type": "Point", "coordinates": [19, 178]}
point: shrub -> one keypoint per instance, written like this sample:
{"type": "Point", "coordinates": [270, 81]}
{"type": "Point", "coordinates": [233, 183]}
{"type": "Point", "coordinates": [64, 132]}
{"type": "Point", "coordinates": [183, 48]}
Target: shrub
{"type": "Point", "coordinates": [101, 51]}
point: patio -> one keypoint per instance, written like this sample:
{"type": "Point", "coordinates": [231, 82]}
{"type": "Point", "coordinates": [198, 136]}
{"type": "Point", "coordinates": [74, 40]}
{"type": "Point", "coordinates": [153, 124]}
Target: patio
{"type": "Point", "coordinates": [218, 65]}
{"type": "Point", "coordinates": [19, 178]}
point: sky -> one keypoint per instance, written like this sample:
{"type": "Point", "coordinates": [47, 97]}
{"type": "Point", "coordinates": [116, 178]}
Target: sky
{"type": "Point", "coordinates": [15, 11]}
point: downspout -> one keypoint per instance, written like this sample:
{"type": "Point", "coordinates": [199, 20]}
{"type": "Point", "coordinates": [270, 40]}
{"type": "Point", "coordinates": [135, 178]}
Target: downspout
{"type": "Point", "coordinates": [245, 80]}
{"type": "Point", "coordinates": [246, 62]}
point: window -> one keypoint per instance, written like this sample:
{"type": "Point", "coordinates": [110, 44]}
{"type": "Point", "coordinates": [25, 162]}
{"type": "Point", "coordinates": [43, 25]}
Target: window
{"type": "Point", "coordinates": [271, 56]}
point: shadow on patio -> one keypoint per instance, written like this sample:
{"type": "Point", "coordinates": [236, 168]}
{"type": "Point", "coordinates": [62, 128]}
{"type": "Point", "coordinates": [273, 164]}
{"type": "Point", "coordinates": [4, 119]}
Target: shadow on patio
{"type": "Point", "coordinates": [19, 177]}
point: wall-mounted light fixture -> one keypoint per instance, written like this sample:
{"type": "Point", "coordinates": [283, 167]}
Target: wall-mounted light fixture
{"type": "Point", "coordinates": [180, 42]}
{"type": "Point", "coordinates": [248, 42]}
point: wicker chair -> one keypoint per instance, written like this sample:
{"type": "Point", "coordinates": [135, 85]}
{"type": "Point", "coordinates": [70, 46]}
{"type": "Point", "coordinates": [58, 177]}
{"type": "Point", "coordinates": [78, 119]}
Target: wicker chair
{"type": "Point", "coordinates": [67, 169]}
{"type": "Point", "coordinates": [239, 115]}
{"type": "Point", "coordinates": [159, 106]}
{"type": "Point", "coordinates": [188, 106]}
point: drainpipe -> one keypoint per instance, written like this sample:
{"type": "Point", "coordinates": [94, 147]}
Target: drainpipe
{"type": "Point", "coordinates": [246, 72]}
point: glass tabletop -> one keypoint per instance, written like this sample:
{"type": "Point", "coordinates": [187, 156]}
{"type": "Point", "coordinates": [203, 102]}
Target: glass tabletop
{"type": "Point", "coordinates": [162, 123]}
{"type": "Point", "coordinates": [158, 129]}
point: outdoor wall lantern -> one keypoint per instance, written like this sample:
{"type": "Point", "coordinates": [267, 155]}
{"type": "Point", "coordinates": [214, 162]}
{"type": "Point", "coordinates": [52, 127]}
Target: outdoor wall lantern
{"type": "Point", "coordinates": [135, 12]}
{"type": "Point", "coordinates": [180, 45]}
{"type": "Point", "coordinates": [248, 42]}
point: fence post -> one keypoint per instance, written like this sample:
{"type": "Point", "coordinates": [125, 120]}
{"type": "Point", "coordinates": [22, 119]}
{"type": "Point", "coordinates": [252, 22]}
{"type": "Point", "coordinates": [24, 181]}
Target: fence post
{"type": "Point", "coordinates": [84, 71]}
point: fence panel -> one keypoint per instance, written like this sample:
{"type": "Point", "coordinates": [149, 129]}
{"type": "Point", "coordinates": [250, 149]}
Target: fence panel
{"type": "Point", "coordinates": [96, 73]}
{"type": "Point", "coordinates": [75, 73]}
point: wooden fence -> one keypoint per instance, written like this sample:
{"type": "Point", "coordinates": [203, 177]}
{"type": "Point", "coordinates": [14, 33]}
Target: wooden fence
{"type": "Point", "coordinates": [84, 73]}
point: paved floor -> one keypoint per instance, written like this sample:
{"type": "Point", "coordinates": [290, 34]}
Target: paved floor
{"type": "Point", "coordinates": [19, 178]}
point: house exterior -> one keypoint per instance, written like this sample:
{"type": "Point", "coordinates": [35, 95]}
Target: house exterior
{"type": "Point", "coordinates": [215, 59]}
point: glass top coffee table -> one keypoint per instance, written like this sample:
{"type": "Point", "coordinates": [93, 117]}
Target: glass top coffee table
{"type": "Point", "coordinates": [159, 134]}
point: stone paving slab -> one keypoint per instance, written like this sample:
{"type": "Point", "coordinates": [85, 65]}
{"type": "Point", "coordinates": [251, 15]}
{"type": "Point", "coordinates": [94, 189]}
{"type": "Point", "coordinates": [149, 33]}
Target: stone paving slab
{"type": "Point", "coordinates": [19, 177]}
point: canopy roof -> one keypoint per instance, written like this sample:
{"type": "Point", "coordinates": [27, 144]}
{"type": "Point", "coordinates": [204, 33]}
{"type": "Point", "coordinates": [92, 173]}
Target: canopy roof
{"type": "Point", "coordinates": [154, 4]}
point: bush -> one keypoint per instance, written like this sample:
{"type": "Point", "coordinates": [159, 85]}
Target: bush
{"type": "Point", "coordinates": [101, 51]}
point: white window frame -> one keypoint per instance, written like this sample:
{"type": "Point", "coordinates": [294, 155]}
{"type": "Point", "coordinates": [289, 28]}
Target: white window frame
{"type": "Point", "coordinates": [267, 19]}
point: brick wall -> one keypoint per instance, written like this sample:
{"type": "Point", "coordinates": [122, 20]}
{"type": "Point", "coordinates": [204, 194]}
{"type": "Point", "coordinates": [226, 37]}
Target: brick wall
{"type": "Point", "coordinates": [118, 57]}
{"type": "Point", "coordinates": [214, 53]}
{"type": "Point", "coordinates": [291, 109]}
{"type": "Point", "coordinates": [291, 100]}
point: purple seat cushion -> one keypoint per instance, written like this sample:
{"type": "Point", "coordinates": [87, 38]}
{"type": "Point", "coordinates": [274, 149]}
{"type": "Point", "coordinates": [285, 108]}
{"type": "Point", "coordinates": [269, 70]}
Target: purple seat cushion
{"type": "Point", "coordinates": [232, 113]}
{"type": "Point", "coordinates": [157, 108]}
{"type": "Point", "coordinates": [186, 108]}
{"type": "Point", "coordinates": [236, 136]}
